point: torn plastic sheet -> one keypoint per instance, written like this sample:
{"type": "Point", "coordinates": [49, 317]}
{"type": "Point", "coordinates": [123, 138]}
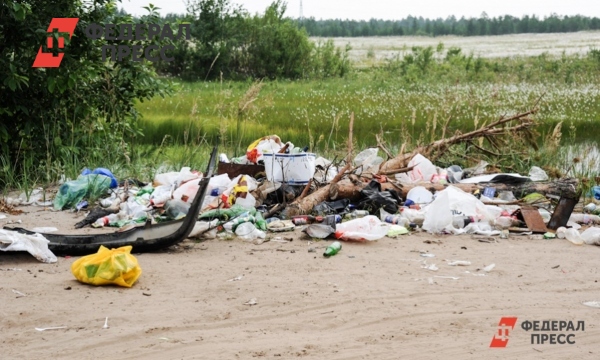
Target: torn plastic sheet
{"type": "Point", "coordinates": [36, 245]}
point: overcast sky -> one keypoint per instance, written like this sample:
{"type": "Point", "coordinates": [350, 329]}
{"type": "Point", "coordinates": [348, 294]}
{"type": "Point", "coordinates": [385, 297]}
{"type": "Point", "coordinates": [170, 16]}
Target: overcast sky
{"type": "Point", "coordinates": [397, 9]}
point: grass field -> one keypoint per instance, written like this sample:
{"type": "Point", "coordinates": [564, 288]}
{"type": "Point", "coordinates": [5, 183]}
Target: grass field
{"type": "Point", "coordinates": [405, 101]}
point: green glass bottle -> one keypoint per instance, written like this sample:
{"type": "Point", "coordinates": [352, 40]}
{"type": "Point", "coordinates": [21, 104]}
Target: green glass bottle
{"type": "Point", "coordinates": [333, 249]}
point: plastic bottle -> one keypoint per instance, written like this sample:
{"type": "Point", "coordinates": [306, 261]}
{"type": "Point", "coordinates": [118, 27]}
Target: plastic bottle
{"type": "Point", "coordinates": [397, 220]}
{"type": "Point", "coordinates": [356, 214]}
{"type": "Point", "coordinates": [241, 220]}
{"type": "Point", "coordinates": [261, 224]}
{"type": "Point", "coordinates": [106, 220]}
{"type": "Point", "coordinates": [333, 249]}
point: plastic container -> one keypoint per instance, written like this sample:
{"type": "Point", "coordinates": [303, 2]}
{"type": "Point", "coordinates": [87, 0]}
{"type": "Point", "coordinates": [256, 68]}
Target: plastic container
{"type": "Point", "coordinates": [294, 169]}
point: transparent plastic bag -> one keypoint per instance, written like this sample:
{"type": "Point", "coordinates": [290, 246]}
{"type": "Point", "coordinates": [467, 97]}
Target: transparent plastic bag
{"type": "Point", "coordinates": [453, 202]}
{"type": "Point", "coordinates": [84, 187]}
{"type": "Point", "coordinates": [368, 228]}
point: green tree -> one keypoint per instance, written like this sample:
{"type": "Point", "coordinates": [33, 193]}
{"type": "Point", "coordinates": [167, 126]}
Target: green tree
{"type": "Point", "coordinates": [276, 47]}
{"type": "Point", "coordinates": [49, 116]}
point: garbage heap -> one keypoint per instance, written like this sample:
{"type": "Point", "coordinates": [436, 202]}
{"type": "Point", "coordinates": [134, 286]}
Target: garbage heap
{"type": "Point", "coordinates": [276, 187]}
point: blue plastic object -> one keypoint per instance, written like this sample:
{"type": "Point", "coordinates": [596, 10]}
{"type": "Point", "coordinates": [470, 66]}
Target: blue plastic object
{"type": "Point", "coordinates": [596, 192]}
{"type": "Point", "coordinates": [102, 171]}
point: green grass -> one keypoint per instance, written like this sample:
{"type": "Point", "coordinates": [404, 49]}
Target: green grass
{"type": "Point", "coordinates": [304, 111]}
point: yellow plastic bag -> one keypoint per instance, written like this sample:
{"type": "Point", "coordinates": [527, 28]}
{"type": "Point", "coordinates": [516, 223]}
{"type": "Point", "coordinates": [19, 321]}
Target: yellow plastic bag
{"type": "Point", "coordinates": [106, 267]}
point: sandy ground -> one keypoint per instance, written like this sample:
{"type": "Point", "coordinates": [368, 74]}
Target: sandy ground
{"type": "Point", "coordinates": [371, 301]}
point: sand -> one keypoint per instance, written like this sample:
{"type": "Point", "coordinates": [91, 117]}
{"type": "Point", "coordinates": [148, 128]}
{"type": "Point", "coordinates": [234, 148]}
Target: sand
{"type": "Point", "coordinates": [371, 301]}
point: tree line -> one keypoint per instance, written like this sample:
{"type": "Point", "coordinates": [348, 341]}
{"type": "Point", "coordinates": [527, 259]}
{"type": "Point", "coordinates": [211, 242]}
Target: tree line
{"type": "Point", "coordinates": [484, 25]}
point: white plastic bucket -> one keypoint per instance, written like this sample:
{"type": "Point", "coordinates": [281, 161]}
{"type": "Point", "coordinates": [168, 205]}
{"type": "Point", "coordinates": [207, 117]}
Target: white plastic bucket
{"type": "Point", "coordinates": [293, 169]}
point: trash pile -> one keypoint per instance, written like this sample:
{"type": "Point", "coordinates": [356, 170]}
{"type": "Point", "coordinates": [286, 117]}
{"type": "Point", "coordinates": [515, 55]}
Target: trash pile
{"type": "Point", "coordinates": [277, 187]}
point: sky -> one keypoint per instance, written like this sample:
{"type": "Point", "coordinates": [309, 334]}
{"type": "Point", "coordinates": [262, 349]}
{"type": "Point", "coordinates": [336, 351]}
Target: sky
{"type": "Point", "coordinates": [396, 9]}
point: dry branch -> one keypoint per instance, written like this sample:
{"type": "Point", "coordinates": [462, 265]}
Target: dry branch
{"type": "Point", "coordinates": [489, 131]}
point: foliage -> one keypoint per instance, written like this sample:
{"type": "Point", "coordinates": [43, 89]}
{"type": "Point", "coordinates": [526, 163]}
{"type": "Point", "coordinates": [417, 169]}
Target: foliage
{"type": "Point", "coordinates": [484, 25]}
{"type": "Point", "coordinates": [59, 119]}
{"type": "Point", "coordinates": [229, 43]}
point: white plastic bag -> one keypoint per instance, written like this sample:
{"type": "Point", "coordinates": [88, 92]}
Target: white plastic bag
{"type": "Point", "coordinates": [247, 231]}
{"type": "Point", "coordinates": [423, 170]}
{"type": "Point", "coordinates": [419, 195]}
{"type": "Point", "coordinates": [216, 186]}
{"type": "Point", "coordinates": [36, 245]}
{"type": "Point", "coordinates": [570, 234]}
{"type": "Point", "coordinates": [537, 174]}
{"type": "Point", "coordinates": [368, 161]}
{"type": "Point", "coordinates": [324, 170]}
{"type": "Point", "coordinates": [591, 236]}
{"type": "Point", "coordinates": [368, 228]}
{"type": "Point", "coordinates": [453, 202]}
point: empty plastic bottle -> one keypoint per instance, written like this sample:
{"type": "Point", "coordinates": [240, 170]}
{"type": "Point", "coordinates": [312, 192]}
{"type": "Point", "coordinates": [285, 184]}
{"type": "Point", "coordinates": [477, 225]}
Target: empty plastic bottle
{"type": "Point", "coordinates": [106, 220]}
{"type": "Point", "coordinates": [356, 214]}
{"type": "Point", "coordinates": [333, 249]}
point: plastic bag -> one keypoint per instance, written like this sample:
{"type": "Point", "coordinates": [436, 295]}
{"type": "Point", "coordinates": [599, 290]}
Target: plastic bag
{"type": "Point", "coordinates": [453, 202]}
{"type": "Point", "coordinates": [591, 236]}
{"type": "Point", "coordinates": [247, 231]}
{"type": "Point", "coordinates": [423, 170]}
{"type": "Point", "coordinates": [255, 151]}
{"type": "Point", "coordinates": [368, 161]}
{"type": "Point", "coordinates": [102, 171]}
{"type": "Point", "coordinates": [374, 199]}
{"type": "Point", "coordinates": [216, 186]}
{"type": "Point", "coordinates": [36, 245]}
{"type": "Point", "coordinates": [537, 174]}
{"type": "Point", "coordinates": [108, 267]}
{"type": "Point", "coordinates": [85, 186]}
{"type": "Point", "coordinates": [368, 228]}
{"type": "Point", "coordinates": [177, 178]}
{"type": "Point", "coordinates": [240, 187]}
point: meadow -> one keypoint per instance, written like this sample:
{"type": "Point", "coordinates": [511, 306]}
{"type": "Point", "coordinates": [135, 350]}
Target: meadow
{"type": "Point", "coordinates": [406, 98]}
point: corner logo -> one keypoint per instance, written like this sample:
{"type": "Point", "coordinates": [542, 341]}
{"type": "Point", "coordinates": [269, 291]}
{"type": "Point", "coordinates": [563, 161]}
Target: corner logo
{"type": "Point", "coordinates": [500, 339]}
{"type": "Point", "coordinates": [59, 25]}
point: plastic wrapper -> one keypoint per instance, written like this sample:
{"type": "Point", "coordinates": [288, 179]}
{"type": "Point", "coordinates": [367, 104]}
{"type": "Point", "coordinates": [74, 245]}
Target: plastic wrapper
{"type": "Point", "coordinates": [108, 267]}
